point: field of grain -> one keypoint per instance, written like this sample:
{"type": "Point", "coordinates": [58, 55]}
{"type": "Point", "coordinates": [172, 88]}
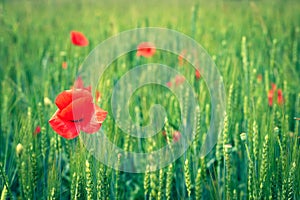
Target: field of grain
{"type": "Point", "coordinates": [255, 46]}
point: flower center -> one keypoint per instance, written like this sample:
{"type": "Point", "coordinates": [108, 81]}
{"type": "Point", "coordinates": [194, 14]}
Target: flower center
{"type": "Point", "coordinates": [78, 120]}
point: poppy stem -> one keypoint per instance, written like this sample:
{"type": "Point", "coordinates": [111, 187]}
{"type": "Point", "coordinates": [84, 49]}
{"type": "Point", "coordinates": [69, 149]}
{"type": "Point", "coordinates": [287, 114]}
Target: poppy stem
{"type": "Point", "coordinates": [297, 118]}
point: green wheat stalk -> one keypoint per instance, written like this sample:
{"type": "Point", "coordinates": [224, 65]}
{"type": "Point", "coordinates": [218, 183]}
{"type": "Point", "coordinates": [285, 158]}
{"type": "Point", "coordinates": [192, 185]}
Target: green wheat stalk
{"type": "Point", "coordinates": [187, 177]}
{"type": "Point", "coordinates": [160, 193]}
{"type": "Point", "coordinates": [6, 183]}
{"type": "Point", "coordinates": [200, 179]}
{"type": "Point", "coordinates": [89, 181]}
{"type": "Point", "coordinates": [147, 182]}
{"type": "Point", "coordinates": [169, 181]}
{"type": "Point", "coordinates": [264, 168]}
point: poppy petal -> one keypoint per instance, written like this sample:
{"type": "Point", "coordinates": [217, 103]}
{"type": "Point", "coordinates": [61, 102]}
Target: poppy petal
{"type": "Point", "coordinates": [66, 129]}
{"type": "Point", "coordinates": [280, 99]}
{"type": "Point", "coordinates": [146, 49]}
{"type": "Point", "coordinates": [79, 39]}
{"type": "Point", "coordinates": [92, 127]}
{"type": "Point", "coordinates": [270, 97]}
{"type": "Point", "coordinates": [67, 96]}
{"type": "Point", "coordinates": [176, 136]}
{"type": "Point", "coordinates": [79, 83]}
{"type": "Point", "coordinates": [169, 84]}
{"type": "Point", "coordinates": [79, 110]}
{"type": "Point", "coordinates": [181, 57]}
{"type": "Point", "coordinates": [63, 99]}
{"type": "Point", "coordinates": [100, 114]}
{"type": "Point", "coordinates": [179, 79]}
{"type": "Point", "coordinates": [37, 130]}
{"type": "Point", "coordinates": [197, 74]}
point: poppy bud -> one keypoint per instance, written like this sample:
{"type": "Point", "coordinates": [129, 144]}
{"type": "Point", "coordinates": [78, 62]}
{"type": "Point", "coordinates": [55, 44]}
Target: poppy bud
{"type": "Point", "coordinates": [19, 149]}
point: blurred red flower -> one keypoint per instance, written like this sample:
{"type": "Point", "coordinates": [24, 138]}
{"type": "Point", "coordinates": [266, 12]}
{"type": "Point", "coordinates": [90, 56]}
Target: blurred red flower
{"type": "Point", "coordinates": [270, 97]}
{"type": "Point", "coordinates": [280, 100]}
{"type": "Point", "coordinates": [145, 49]}
{"type": "Point", "coordinates": [181, 57]}
{"type": "Point", "coordinates": [271, 92]}
{"type": "Point", "coordinates": [169, 84]}
{"type": "Point", "coordinates": [64, 65]}
{"type": "Point", "coordinates": [37, 130]}
{"type": "Point", "coordinates": [179, 79]}
{"type": "Point", "coordinates": [197, 74]}
{"type": "Point", "coordinates": [76, 112]}
{"type": "Point", "coordinates": [78, 39]}
{"type": "Point", "coordinates": [176, 136]}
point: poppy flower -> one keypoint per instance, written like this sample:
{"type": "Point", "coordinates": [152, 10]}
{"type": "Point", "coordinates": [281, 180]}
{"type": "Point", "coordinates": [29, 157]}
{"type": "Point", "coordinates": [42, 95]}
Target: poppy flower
{"type": "Point", "coordinates": [145, 49]}
{"type": "Point", "coordinates": [181, 58]}
{"type": "Point", "coordinates": [197, 74]}
{"type": "Point", "coordinates": [76, 112]}
{"type": "Point", "coordinates": [169, 84]}
{"type": "Point", "coordinates": [64, 65]}
{"type": "Point", "coordinates": [37, 130]}
{"type": "Point", "coordinates": [78, 39]}
{"type": "Point", "coordinates": [176, 136]}
{"type": "Point", "coordinates": [280, 100]}
{"type": "Point", "coordinates": [179, 80]}
{"type": "Point", "coordinates": [270, 97]}
{"type": "Point", "coordinates": [271, 94]}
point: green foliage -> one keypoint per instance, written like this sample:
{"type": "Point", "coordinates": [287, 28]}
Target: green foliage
{"type": "Point", "coordinates": [256, 157]}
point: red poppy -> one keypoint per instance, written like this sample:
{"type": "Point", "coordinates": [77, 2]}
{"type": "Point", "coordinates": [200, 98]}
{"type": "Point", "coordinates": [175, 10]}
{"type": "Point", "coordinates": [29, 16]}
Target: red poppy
{"type": "Point", "coordinates": [145, 49]}
{"type": "Point", "coordinates": [176, 136]}
{"type": "Point", "coordinates": [76, 112]}
{"type": "Point", "coordinates": [64, 65]}
{"type": "Point", "coordinates": [181, 58]}
{"type": "Point", "coordinates": [270, 97]}
{"type": "Point", "coordinates": [179, 80]}
{"type": "Point", "coordinates": [280, 100]}
{"type": "Point", "coordinates": [271, 94]}
{"type": "Point", "coordinates": [169, 84]}
{"type": "Point", "coordinates": [197, 74]}
{"type": "Point", "coordinates": [79, 39]}
{"type": "Point", "coordinates": [37, 130]}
